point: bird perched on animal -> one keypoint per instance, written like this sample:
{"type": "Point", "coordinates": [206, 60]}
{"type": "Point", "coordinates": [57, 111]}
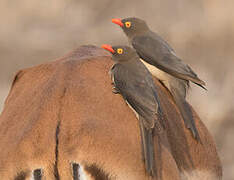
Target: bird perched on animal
{"type": "Point", "coordinates": [163, 63]}
{"type": "Point", "coordinates": [135, 83]}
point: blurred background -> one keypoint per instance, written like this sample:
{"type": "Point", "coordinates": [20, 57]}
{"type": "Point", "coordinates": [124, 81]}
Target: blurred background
{"type": "Point", "coordinates": [201, 32]}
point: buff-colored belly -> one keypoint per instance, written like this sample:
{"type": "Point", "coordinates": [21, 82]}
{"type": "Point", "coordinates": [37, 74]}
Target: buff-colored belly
{"type": "Point", "coordinates": [159, 74]}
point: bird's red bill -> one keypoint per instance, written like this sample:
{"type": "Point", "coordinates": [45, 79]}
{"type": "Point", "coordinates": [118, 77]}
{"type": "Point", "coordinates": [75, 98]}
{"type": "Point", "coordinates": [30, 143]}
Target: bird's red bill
{"type": "Point", "coordinates": [108, 48]}
{"type": "Point", "coordinates": [118, 21]}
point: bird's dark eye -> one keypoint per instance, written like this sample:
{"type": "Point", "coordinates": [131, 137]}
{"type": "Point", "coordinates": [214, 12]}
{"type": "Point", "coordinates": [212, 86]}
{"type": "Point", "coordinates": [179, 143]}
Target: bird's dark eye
{"type": "Point", "coordinates": [120, 51]}
{"type": "Point", "coordinates": [128, 24]}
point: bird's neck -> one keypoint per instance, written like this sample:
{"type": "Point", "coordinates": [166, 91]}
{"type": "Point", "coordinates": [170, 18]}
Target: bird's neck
{"type": "Point", "coordinates": [137, 33]}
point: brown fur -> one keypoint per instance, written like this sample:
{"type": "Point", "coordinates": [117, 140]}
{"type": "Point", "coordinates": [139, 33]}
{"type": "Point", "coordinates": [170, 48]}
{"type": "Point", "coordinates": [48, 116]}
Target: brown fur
{"type": "Point", "coordinates": [64, 112]}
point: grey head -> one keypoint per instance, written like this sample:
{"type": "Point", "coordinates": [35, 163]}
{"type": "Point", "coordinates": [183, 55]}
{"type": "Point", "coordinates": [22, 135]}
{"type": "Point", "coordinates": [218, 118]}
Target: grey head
{"type": "Point", "coordinates": [121, 54]}
{"type": "Point", "coordinates": [132, 26]}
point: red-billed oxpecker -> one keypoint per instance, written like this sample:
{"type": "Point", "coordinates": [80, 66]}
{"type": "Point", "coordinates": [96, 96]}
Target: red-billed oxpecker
{"type": "Point", "coordinates": [163, 63]}
{"type": "Point", "coordinates": [135, 83]}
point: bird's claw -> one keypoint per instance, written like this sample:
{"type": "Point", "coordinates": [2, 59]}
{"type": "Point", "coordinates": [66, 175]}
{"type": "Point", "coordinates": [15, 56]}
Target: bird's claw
{"type": "Point", "coordinates": [115, 90]}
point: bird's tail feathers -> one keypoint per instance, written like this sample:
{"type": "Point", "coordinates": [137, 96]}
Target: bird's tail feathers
{"type": "Point", "coordinates": [186, 113]}
{"type": "Point", "coordinates": [147, 148]}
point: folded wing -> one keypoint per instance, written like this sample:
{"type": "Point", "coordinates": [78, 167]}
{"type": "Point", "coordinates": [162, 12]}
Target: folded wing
{"type": "Point", "coordinates": [157, 52]}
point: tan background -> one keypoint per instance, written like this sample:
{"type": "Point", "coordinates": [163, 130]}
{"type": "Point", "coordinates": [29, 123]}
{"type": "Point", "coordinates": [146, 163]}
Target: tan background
{"type": "Point", "coordinates": [201, 32]}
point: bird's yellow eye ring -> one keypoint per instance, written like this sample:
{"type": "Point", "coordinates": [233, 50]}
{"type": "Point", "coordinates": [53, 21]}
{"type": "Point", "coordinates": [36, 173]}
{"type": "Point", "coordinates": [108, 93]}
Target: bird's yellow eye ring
{"type": "Point", "coordinates": [128, 24]}
{"type": "Point", "coordinates": [120, 51]}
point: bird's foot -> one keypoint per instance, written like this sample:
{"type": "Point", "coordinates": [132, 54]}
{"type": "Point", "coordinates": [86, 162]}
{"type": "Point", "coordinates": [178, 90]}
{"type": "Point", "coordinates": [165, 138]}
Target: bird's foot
{"type": "Point", "coordinates": [115, 90]}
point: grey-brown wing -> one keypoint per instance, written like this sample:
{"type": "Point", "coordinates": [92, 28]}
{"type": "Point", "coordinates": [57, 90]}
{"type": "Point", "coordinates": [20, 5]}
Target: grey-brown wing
{"type": "Point", "coordinates": [137, 91]}
{"type": "Point", "coordinates": [158, 53]}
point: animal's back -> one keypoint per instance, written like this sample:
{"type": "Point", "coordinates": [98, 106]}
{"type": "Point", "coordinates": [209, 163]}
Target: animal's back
{"type": "Point", "coordinates": [62, 118]}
